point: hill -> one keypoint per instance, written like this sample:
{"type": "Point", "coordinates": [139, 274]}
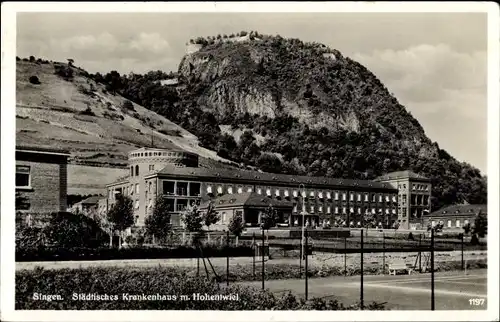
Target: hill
{"type": "Point", "coordinates": [287, 106]}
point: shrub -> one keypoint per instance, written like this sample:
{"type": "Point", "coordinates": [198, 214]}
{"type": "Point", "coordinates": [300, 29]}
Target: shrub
{"type": "Point", "coordinates": [88, 111]}
{"type": "Point", "coordinates": [127, 105]}
{"type": "Point", "coordinates": [32, 59]}
{"type": "Point", "coordinates": [64, 71]}
{"type": "Point", "coordinates": [34, 80]}
{"type": "Point", "coordinates": [160, 281]}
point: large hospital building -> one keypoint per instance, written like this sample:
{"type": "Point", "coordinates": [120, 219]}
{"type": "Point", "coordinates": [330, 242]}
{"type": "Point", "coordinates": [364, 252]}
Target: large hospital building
{"type": "Point", "coordinates": [398, 197]}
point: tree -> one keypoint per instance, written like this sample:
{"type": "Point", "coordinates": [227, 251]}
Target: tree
{"type": "Point", "coordinates": [236, 225]}
{"type": "Point", "coordinates": [121, 214]}
{"type": "Point", "coordinates": [71, 61]}
{"type": "Point", "coordinates": [210, 217]}
{"type": "Point", "coordinates": [34, 80]}
{"type": "Point", "coordinates": [192, 220]}
{"type": "Point", "coordinates": [480, 225]}
{"type": "Point", "coordinates": [467, 228]}
{"type": "Point", "coordinates": [269, 218]}
{"type": "Point", "coordinates": [32, 59]}
{"type": "Point", "coordinates": [158, 223]}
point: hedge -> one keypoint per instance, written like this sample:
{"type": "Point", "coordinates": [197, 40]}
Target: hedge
{"type": "Point", "coordinates": [86, 289]}
{"type": "Point", "coordinates": [76, 254]}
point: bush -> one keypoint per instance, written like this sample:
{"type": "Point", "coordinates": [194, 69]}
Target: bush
{"type": "Point", "coordinates": [64, 71]}
{"type": "Point", "coordinates": [67, 230]}
{"type": "Point", "coordinates": [160, 281]}
{"type": "Point", "coordinates": [127, 105]}
{"type": "Point", "coordinates": [34, 80]}
{"type": "Point", "coordinates": [88, 111]}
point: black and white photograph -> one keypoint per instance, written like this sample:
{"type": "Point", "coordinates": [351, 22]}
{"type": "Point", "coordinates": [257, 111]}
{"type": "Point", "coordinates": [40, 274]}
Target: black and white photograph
{"type": "Point", "coordinates": [250, 161]}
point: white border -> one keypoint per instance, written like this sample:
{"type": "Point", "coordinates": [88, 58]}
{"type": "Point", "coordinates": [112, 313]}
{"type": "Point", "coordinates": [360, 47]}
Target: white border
{"type": "Point", "coordinates": [9, 11]}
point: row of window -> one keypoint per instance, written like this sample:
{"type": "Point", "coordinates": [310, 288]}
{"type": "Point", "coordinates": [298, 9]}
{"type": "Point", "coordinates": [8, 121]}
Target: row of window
{"type": "Point", "coordinates": [158, 154]}
{"type": "Point", "coordinates": [449, 224]}
{"type": "Point", "coordinates": [343, 210]}
{"type": "Point", "coordinates": [312, 194]}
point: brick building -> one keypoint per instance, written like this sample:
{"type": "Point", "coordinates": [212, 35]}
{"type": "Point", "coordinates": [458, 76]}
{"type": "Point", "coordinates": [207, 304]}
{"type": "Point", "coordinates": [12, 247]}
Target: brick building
{"type": "Point", "coordinates": [178, 175]}
{"type": "Point", "coordinates": [414, 196]}
{"type": "Point", "coordinates": [455, 217]}
{"type": "Point", "coordinates": [41, 178]}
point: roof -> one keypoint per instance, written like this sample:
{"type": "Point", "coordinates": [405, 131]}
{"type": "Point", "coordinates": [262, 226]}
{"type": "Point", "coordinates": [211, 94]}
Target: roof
{"type": "Point", "coordinates": [455, 210]}
{"type": "Point", "coordinates": [91, 200]}
{"type": "Point", "coordinates": [246, 176]}
{"type": "Point", "coordinates": [401, 175]}
{"type": "Point", "coordinates": [41, 149]}
{"type": "Point", "coordinates": [248, 199]}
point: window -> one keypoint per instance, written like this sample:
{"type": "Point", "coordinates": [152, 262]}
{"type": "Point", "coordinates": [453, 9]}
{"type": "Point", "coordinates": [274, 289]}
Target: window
{"type": "Point", "coordinates": [311, 194]}
{"type": "Point", "coordinates": [240, 190]}
{"type": "Point", "coordinates": [23, 178]}
{"type": "Point", "coordinates": [359, 211]}
{"type": "Point", "coordinates": [366, 197]}
{"type": "Point", "coordinates": [286, 193]}
{"type": "Point", "coordinates": [457, 223]}
{"type": "Point", "coordinates": [344, 196]}
{"type": "Point", "coordinates": [259, 191]}
{"type": "Point", "coordinates": [387, 198]}
{"type": "Point", "coordinates": [151, 167]}
{"type": "Point", "coordinates": [449, 223]}
{"type": "Point", "coordinates": [344, 210]}
{"type": "Point", "coordinates": [359, 197]}
{"type": "Point", "coordinates": [219, 190]}
{"type": "Point", "coordinates": [404, 199]}
{"type": "Point", "coordinates": [137, 204]}
{"type": "Point", "coordinates": [137, 170]}
{"type": "Point", "coordinates": [466, 221]}
{"type": "Point", "coordinates": [328, 209]}
{"type": "Point", "coordinates": [374, 198]}
{"type": "Point", "coordinates": [320, 195]}
{"type": "Point", "coordinates": [387, 211]}
{"type": "Point", "coordinates": [194, 189]}
{"type": "Point", "coordinates": [137, 188]}
{"type": "Point", "coordinates": [132, 171]}
{"type": "Point", "coordinates": [209, 189]}
{"type": "Point", "coordinates": [374, 211]}
{"type": "Point", "coordinates": [295, 193]}
{"type": "Point", "coordinates": [268, 191]}
{"type": "Point", "coordinates": [351, 197]}
{"type": "Point", "coordinates": [379, 198]}
{"type": "Point", "coordinates": [277, 192]}
{"type": "Point", "coordinates": [351, 210]}
{"type": "Point", "coordinates": [312, 209]}
{"type": "Point", "coordinates": [328, 196]}
{"type": "Point", "coordinates": [404, 212]}
{"type": "Point", "coordinates": [394, 198]}
{"type": "Point", "coordinates": [336, 210]}
{"type": "Point", "coordinates": [336, 196]}
{"type": "Point", "coordinates": [249, 189]}
{"type": "Point", "coordinates": [320, 209]}
{"type": "Point", "coordinates": [230, 190]}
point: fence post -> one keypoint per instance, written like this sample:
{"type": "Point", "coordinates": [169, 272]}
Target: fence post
{"type": "Point", "coordinates": [361, 293]}
{"type": "Point", "coordinates": [253, 261]}
{"type": "Point", "coordinates": [262, 250]}
{"type": "Point", "coordinates": [306, 254]}
{"type": "Point", "coordinates": [345, 255]}
{"type": "Point", "coordinates": [383, 252]}
{"type": "Point", "coordinates": [227, 259]}
{"type": "Point", "coordinates": [462, 249]}
{"type": "Point", "coordinates": [432, 270]}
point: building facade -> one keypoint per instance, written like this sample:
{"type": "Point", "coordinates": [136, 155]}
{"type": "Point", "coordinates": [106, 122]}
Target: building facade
{"type": "Point", "coordinates": [414, 197]}
{"type": "Point", "coordinates": [177, 175]}
{"type": "Point", "coordinates": [41, 179]}
{"type": "Point", "coordinates": [250, 206]}
{"type": "Point", "coordinates": [455, 217]}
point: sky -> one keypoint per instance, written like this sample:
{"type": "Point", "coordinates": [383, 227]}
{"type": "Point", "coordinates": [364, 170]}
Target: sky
{"type": "Point", "coordinates": [435, 64]}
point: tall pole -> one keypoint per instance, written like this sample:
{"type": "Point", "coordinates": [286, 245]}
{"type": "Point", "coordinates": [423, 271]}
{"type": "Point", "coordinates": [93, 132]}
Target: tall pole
{"type": "Point", "coordinates": [420, 254]}
{"type": "Point", "coordinates": [306, 242]}
{"type": "Point", "coordinates": [432, 270]}
{"type": "Point", "coordinates": [227, 259]}
{"type": "Point", "coordinates": [361, 293]}
{"type": "Point", "coordinates": [383, 252]}
{"type": "Point", "coordinates": [253, 255]}
{"type": "Point", "coordinates": [263, 272]}
{"type": "Point", "coordinates": [302, 193]}
{"type": "Point", "coordinates": [462, 249]}
{"type": "Point", "coordinates": [345, 255]}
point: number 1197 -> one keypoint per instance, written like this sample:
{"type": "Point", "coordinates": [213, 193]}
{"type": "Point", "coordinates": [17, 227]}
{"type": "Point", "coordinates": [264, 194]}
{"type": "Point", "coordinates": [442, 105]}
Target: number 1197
{"type": "Point", "coordinates": [476, 302]}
